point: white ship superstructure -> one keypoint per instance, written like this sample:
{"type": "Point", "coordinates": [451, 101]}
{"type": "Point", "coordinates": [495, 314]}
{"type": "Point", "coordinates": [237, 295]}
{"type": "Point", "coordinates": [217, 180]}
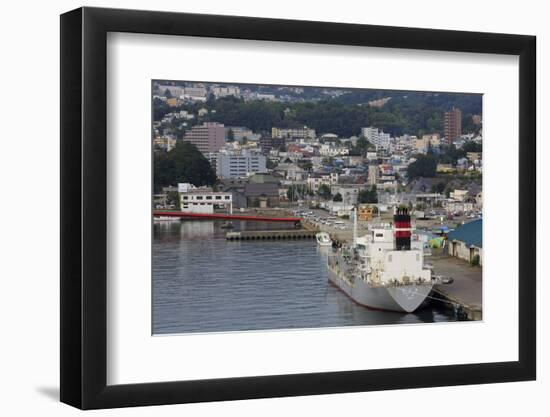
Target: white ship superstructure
{"type": "Point", "coordinates": [383, 269]}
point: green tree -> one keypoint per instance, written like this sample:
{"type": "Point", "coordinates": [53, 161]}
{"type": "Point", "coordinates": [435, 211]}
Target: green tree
{"type": "Point", "coordinates": [406, 112]}
{"type": "Point", "coordinates": [450, 154]}
{"type": "Point", "coordinates": [472, 147]}
{"type": "Point", "coordinates": [269, 164]}
{"type": "Point", "coordinates": [337, 197]}
{"type": "Point", "coordinates": [424, 166]}
{"type": "Point", "coordinates": [305, 165]}
{"type": "Point", "coordinates": [368, 196]}
{"type": "Point", "coordinates": [173, 198]}
{"type": "Point", "coordinates": [438, 188]}
{"type": "Point", "coordinates": [230, 135]}
{"type": "Point", "coordinates": [324, 191]}
{"type": "Point", "coordinates": [362, 146]}
{"type": "Point", "coordinates": [328, 160]}
{"type": "Point", "coordinates": [295, 192]}
{"type": "Point", "coordinates": [183, 164]}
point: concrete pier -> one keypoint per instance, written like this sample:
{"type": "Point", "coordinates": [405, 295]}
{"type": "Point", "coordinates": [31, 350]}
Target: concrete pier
{"type": "Point", "coordinates": [465, 293]}
{"type": "Point", "coordinates": [271, 235]}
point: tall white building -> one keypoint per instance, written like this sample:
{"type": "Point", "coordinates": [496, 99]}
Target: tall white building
{"type": "Point", "coordinates": [240, 164]}
{"type": "Point", "coordinates": [376, 137]}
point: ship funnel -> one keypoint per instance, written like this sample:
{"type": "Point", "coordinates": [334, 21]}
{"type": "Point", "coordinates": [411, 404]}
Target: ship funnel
{"type": "Point", "coordinates": [402, 229]}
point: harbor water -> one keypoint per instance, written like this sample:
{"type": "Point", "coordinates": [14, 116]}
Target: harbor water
{"type": "Point", "coordinates": [204, 283]}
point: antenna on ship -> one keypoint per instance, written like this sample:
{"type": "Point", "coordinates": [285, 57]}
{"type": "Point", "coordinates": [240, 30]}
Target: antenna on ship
{"type": "Point", "coordinates": [355, 227]}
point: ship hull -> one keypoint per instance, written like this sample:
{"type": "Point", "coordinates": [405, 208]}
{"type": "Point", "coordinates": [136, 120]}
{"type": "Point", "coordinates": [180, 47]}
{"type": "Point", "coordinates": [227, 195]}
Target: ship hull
{"type": "Point", "coordinates": [404, 298]}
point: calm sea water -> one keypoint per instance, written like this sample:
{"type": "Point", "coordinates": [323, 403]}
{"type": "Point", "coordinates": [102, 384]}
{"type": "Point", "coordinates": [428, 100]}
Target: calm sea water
{"type": "Point", "coordinates": [203, 283]}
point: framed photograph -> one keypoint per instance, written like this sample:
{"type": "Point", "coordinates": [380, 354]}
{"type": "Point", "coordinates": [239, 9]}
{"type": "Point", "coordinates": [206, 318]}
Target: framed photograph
{"type": "Point", "coordinates": [259, 208]}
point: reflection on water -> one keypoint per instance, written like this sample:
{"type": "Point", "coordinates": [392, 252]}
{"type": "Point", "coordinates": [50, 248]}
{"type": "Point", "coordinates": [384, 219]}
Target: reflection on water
{"type": "Point", "coordinates": [203, 283]}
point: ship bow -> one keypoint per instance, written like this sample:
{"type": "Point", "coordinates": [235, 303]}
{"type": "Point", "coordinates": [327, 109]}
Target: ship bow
{"type": "Point", "coordinates": [409, 298]}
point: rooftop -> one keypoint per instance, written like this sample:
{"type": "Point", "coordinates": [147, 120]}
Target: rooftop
{"type": "Point", "coordinates": [470, 233]}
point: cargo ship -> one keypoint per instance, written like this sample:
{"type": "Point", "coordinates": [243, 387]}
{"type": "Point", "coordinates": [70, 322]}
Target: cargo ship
{"type": "Point", "coordinates": [383, 269]}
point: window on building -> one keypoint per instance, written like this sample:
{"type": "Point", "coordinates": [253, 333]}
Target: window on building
{"type": "Point", "coordinates": [209, 197]}
{"type": "Point", "coordinates": [227, 197]}
{"type": "Point", "coordinates": [199, 197]}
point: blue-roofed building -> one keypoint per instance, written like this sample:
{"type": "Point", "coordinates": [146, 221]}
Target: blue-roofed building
{"type": "Point", "coordinates": [466, 241]}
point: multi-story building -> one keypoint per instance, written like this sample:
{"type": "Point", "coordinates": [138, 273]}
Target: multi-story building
{"type": "Point", "coordinates": [165, 142]}
{"type": "Point", "coordinates": [267, 144]}
{"type": "Point", "coordinates": [202, 199]}
{"type": "Point", "coordinates": [299, 133]}
{"type": "Point", "coordinates": [315, 181]}
{"type": "Point", "coordinates": [195, 93]}
{"type": "Point", "coordinates": [377, 137]}
{"type": "Point", "coordinates": [434, 138]}
{"type": "Point", "coordinates": [374, 174]}
{"type": "Point", "coordinates": [328, 149]}
{"type": "Point", "coordinates": [229, 90]}
{"type": "Point", "coordinates": [172, 101]}
{"type": "Point", "coordinates": [210, 137]}
{"type": "Point", "coordinates": [240, 164]}
{"type": "Point", "coordinates": [349, 193]}
{"type": "Point", "coordinates": [473, 156]}
{"type": "Point", "coordinates": [213, 159]}
{"type": "Point", "coordinates": [422, 145]}
{"type": "Point", "coordinates": [240, 133]}
{"type": "Point", "coordinates": [453, 125]}
{"type": "Point", "coordinates": [254, 95]}
{"type": "Point", "coordinates": [175, 91]}
{"type": "Point", "coordinates": [459, 195]}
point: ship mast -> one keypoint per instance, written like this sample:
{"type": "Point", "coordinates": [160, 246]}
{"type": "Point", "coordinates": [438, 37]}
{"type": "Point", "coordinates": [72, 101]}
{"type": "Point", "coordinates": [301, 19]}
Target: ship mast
{"type": "Point", "coordinates": [354, 227]}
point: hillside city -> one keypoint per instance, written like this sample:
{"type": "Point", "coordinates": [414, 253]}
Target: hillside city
{"type": "Point", "coordinates": [271, 147]}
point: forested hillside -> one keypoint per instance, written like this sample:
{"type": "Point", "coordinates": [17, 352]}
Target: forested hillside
{"type": "Point", "coordinates": [414, 113]}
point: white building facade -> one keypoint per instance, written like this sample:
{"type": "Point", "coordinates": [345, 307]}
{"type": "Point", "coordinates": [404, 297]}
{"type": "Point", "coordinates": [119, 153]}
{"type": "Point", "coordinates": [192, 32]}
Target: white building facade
{"type": "Point", "coordinates": [203, 199]}
{"type": "Point", "coordinates": [240, 164]}
{"type": "Point", "coordinates": [377, 137]}
{"type": "Point", "coordinates": [299, 133]}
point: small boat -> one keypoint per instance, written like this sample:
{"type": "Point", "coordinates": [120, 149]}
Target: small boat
{"type": "Point", "coordinates": [323, 239]}
{"type": "Point", "coordinates": [227, 225]}
{"type": "Point", "coordinates": [162, 219]}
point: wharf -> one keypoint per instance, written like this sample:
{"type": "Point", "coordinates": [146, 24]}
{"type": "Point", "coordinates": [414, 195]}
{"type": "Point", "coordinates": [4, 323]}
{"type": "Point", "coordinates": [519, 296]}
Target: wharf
{"type": "Point", "coordinates": [271, 234]}
{"type": "Point", "coordinates": [464, 295]}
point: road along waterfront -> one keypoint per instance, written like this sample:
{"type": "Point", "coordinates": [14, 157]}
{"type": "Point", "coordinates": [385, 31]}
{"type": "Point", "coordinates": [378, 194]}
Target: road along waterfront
{"type": "Point", "coordinates": [204, 283]}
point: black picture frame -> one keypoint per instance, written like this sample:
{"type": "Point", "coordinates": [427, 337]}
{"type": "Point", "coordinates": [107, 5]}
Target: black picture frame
{"type": "Point", "coordinates": [84, 207]}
